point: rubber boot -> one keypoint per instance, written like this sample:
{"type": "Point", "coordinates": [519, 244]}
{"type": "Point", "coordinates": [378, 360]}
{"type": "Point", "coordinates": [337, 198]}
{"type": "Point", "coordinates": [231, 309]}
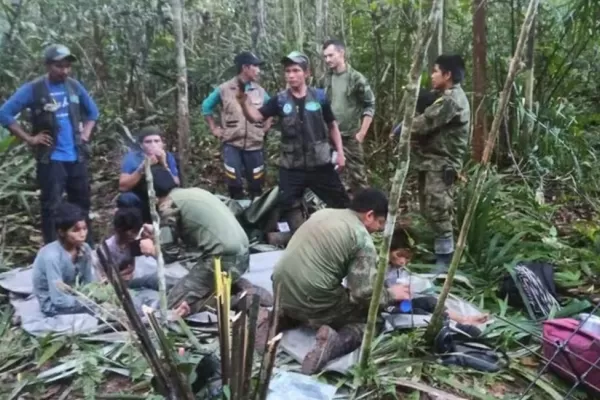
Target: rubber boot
{"type": "Point", "coordinates": [442, 263]}
{"type": "Point", "coordinates": [444, 249]}
{"type": "Point", "coordinates": [244, 285]}
{"type": "Point", "coordinates": [331, 345]}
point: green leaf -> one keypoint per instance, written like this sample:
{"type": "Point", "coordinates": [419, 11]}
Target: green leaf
{"type": "Point", "coordinates": [227, 392]}
{"type": "Point", "coordinates": [50, 352]}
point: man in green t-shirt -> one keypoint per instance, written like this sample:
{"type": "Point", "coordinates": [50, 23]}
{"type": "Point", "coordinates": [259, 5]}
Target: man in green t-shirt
{"type": "Point", "coordinates": [331, 245]}
{"type": "Point", "coordinates": [353, 104]}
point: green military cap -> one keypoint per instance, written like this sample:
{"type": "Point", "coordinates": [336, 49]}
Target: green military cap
{"type": "Point", "coordinates": [149, 131]}
{"type": "Point", "coordinates": [296, 57]}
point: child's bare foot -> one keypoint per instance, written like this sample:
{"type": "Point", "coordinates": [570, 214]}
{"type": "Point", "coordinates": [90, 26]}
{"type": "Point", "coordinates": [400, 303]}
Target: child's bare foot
{"type": "Point", "coordinates": [183, 310]}
{"type": "Point", "coordinates": [474, 319]}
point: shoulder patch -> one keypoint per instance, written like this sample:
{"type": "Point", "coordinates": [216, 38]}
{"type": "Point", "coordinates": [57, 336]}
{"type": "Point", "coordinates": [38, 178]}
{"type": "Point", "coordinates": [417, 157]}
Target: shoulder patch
{"type": "Point", "coordinates": [313, 106]}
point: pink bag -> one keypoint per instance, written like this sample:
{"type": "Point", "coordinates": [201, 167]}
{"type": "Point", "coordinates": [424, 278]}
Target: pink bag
{"type": "Point", "coordinates": [576, 358]}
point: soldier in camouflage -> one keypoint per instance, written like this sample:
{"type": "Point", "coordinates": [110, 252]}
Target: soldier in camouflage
{"type": "Point", "coordinates": [207, 229]}
{"type": "Point", "coordinates": [353, 104]}
{"type": "Point", "coordinates": [441, 135]}
{"type": "Point", "coordinates": [330, 246]}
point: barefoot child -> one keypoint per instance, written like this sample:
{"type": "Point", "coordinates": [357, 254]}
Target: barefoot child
{"type": "Point", "coordinates": [67, 261]}
{"type": "Point", "coordinates": [400, 255]}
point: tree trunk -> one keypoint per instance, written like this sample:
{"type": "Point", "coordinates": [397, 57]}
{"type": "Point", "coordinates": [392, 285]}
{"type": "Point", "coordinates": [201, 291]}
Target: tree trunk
{"type": "Point", "coordinates": [479, 78]}
{"type": "Point", "coordinates": [183, 113]}
{"type": "Point", "coordinates": [299, 27]}
{"type": "Point", "coordinates": [319, 38]}
{"type": "Point", "coordinates": [409, 101]}
{"type": "Point", "coordinates": [529, 85]}
{"type": "Point", "coordinates": [162, 285]}
{"type": "Point", "coordinates": [325, 19]}
{"type": "Point", "coordinates": [437, 48]}
{"type": "Point", "coordinates": [482, 173]}
{"type": "Point", "coordinates": [258, 35]}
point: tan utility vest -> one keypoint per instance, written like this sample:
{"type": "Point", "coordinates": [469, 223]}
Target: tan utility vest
{"type": "Point", "coordinates": [238, 131]}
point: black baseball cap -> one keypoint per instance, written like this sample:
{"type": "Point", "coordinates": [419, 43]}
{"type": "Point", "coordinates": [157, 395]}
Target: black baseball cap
{"type": "Point", "coordinates": [247, 58]}
{"type": "Point", "coordinates": [296, 57]}
{"type": "Point", "coordinates": [58, 52]}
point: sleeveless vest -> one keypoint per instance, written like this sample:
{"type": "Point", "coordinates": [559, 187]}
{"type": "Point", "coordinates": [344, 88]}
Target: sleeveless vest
{"type": "Point", "coordinates": [238, 131]}
{"type": "Point", "coordinates": [43, 119]}
{"type": "Point", "coordinates": [304, 142]}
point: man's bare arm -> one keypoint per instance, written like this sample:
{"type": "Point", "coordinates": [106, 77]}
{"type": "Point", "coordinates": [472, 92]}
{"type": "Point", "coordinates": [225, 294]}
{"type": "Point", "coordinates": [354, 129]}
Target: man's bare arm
{"type": "Point", "coordinates": [268, 124]}
{"type": "Point", "coordinates": [128, 181]}
{"type": "Point", "coordinates": [336, 137]}
{"type": "Point", "coordinates": [212, 125]}
{"type": "Point", "coordinates": [365, 124]}
{"type": "Point", "coordinates": [19, 132]}
{"type": "Point", "coordinates": [250, 112]}
{"type": "Point", "coordinates": [87, 130]}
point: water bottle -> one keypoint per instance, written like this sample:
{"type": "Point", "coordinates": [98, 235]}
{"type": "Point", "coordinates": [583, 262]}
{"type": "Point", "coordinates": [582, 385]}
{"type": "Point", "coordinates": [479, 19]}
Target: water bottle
{"type": "Point", "coordinates": [405, 306]}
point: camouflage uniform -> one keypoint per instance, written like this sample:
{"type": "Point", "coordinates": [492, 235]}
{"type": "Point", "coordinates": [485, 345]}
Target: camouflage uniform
{"type": "Point", "coordinates": [351, 100]}
{"type": "Point", "coordinates": [207, 229]}
{"type": "Point", "coordinates": [330, 245]}
{"type": "Point", "coordinates": [440, 138]}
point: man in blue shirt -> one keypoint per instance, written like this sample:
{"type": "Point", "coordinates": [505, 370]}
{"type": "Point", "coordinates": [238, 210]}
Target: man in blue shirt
{"type": "Point", "coordinates": [62, 118]}
{"type": "Point", "coordinates": [243, 141]}
{"type": "Point", "coordinates": [132, 182]}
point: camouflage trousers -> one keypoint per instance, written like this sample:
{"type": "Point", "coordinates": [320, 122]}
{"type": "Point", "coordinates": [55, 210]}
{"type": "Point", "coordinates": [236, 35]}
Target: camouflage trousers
{"type": "Point", "coordinates": [197, 287]}
{"type": "Point", "coordinates": [436, 200]}
{"type": "Point", "coordinates": [354, 176]}
{"type": "Point", "coordinates": [343, 315]}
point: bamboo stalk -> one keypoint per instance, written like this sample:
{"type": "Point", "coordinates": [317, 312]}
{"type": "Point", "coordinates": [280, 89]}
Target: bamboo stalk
{"type": "Point", "coordinates": [264, 373]}
{"type": "Point", "coordinates": [223, 290]}
{"type": "Point", "coordinates": [162, 285]}
{"type": "Point", "coordinates": [237, 354]}
{"type": "Point", "coordinates": [145, 343]}
{"type": "Point", "coordinates": [410, 99]}
{"type": "Point", "coordinates": [253, 308]}
{"type": "Point", "coordinates": [183, 111]}
{"type": "Point", "coordinates": [262, 388]}
{"type": "Point", "coordinates": [482, 172]}
{"type": "Point", "coordinates": [182, 389]}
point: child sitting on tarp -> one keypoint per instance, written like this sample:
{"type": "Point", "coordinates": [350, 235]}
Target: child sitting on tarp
{"type": "Point", "coordinates": [65, 261]}
{"type": "Point", "coordinates": [131, 238]}
{"type": "Point", "coordinates": [399, 257]}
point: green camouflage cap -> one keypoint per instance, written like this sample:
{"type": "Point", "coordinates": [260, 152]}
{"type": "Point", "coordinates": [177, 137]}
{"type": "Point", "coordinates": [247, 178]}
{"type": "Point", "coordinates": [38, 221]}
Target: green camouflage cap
{"type": "Point", "coordinates": [149, 131]}
{"type": "Point", "coordinates": [296, 57]}
{"type": "Point", "coordinates": [58, 52]}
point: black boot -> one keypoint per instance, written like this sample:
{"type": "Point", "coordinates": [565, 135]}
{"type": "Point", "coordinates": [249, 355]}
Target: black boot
{"type": "Point", "coordinates": [236, 192]}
